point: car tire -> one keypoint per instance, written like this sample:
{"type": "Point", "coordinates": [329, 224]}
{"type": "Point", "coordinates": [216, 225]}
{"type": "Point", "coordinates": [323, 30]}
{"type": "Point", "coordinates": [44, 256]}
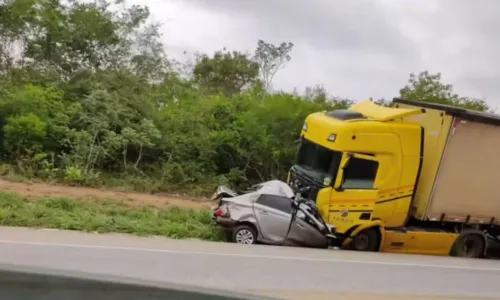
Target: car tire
{"type": "Point", "coordinates": [366, 240]}
{"type": "Point", "coordinates": [469, 244]}
{"type": "Point", "coordinates": [244, 234]}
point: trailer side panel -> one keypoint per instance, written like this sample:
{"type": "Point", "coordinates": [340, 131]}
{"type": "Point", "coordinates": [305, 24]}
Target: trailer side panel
{"type": "Point", "coordinates": [468, 182]}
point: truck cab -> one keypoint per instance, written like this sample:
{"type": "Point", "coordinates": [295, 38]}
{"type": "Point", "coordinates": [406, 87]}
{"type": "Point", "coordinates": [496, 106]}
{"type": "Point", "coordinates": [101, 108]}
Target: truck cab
{"type": "Point", "coordinates": [362, 165]}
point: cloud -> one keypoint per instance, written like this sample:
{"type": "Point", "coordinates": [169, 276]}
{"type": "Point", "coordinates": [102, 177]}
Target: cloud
{"type": "Point", "coordinates": [467, 47]}
{"type": "Point", "coordinates": [324, 24]}
{"type": "Point", "coordinates": [356, 48]}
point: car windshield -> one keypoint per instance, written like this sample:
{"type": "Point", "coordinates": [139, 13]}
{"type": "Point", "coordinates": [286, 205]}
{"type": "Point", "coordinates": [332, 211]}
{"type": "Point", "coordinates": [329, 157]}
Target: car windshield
{"type": "Point", "coordinates": [317, 161]}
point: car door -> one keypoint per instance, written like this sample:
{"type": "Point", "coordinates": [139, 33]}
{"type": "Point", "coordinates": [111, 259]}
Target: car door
{"type": "Point", "coordinates": [273, 215]}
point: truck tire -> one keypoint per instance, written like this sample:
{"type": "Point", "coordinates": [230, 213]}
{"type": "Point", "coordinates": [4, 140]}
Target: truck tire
{"type": "Point", "coordinates": [366, 240]}
{"type": "Point", "coordinates": [470, 244]}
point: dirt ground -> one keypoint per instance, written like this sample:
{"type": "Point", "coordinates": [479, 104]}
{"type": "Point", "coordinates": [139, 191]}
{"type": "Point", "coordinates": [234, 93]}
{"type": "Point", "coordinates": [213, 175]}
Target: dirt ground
{"type": "Point", "coordinates": [47, 190]}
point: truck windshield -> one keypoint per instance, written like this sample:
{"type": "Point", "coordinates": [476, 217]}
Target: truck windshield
{"type": "Point", "coordinates": [317, 161]}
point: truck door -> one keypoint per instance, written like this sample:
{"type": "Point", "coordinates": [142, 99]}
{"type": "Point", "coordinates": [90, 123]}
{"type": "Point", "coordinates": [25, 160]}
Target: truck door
{"type": "Point", "coordinates": [353, 198]}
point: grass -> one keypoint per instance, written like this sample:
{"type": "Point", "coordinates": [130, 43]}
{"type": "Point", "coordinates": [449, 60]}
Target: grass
{"type": "Point", "coordinates": [106, 216]}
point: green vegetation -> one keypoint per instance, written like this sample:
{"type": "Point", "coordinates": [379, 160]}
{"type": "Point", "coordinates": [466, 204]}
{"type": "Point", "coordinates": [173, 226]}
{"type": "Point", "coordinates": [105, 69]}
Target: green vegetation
{"type": "Point", "coordinates": [106, 216]}
{"type": "Point", "coordinates": [88, 96]}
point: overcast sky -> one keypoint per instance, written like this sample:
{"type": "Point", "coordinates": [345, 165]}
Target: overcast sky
{"type": "Point", "coordinates": [356, 48]}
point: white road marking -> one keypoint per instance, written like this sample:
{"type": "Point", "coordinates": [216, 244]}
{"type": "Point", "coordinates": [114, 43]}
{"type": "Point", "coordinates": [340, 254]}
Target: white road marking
{"type": "Point", "coordinates": [242, 255]}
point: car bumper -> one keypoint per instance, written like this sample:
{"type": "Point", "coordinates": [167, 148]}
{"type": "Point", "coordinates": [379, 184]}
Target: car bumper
{"type": "Point", "coordinates": [225, 222]}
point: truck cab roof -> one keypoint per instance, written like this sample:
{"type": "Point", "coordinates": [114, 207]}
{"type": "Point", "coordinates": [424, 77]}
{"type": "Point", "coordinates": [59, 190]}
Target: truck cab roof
{"type": "Point", "coordinates": [365, 117]}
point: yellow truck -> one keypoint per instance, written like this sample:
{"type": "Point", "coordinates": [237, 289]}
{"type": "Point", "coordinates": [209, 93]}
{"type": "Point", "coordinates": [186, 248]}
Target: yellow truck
{"type": "Point", "coordinates": [412, 178]}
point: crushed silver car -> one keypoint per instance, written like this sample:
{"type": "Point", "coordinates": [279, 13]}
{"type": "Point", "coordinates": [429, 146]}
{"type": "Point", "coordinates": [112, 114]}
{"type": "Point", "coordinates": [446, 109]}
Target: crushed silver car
{"type": "Point", "coordinates": [271, 213]}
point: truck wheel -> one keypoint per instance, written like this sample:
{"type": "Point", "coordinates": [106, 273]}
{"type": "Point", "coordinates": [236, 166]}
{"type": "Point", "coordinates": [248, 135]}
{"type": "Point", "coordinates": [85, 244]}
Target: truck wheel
{"type": "Point", "coordinates": [244, 234]}
{"type": "Point", "coordinates": [366, 240]}
{"type": "Point", "coordinates": [471, 245]}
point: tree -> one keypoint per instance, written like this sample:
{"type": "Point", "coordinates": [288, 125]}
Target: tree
{"type": "Point", "coordinates": [428, 87]}
{"type": "Point", "coordinates": [382, 102]}
{"type": "Point", "coordinates": [77, 36]}
{"type": "Point", "coordinates": [271, 59]}
{"type": "Point", "coordinates": [227, 72]}
{"type": "Point", "coordinates": [317, 93]}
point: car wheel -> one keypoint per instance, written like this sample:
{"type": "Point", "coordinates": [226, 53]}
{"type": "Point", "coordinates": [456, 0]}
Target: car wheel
{"type": "Point", "coordinates": [244, 234]}
{"type": "Point", "coordinates": [366, 240]}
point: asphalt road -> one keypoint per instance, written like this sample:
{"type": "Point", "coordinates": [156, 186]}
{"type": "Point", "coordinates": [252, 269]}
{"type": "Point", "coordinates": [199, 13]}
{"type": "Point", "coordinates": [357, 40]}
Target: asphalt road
{"type": "Point", "coordinates": [295, 272]}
